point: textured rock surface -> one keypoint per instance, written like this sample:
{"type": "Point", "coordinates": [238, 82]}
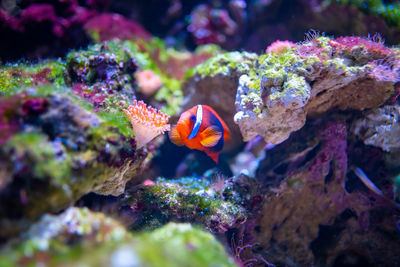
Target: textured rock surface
{"type": "Point", "coordinates": [311, 79]}
{"type": "Point", "coordinates": [64, 133]}
{"type": "Point", "coordinates": [63, 129]}
{"type": "Point", "coordinates": [81, 237]}
{"type": "Point", "coordinates": [218, 205]}
{"type": "Point", "coordinates": [316, 209]}
{"type": "Point", "coordinates": [57, 151]}
{"type": "Point", "coordinates": [380, 127]}
{"type": "Point", "coordinates": [275, 123]}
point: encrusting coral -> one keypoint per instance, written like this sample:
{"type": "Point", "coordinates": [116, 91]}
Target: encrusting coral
{"type": "Point", "coordinates": [80, 237]}
{"type": "Point", "coordinates": [149, 82]}
{"type": "Point", "coordinates": [310, 79]}
{"type": "Point", "coordinates": [147, 122]}
{"type": "Point", "coordinates": [279, 47]}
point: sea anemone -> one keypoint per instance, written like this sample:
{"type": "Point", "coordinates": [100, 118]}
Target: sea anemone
{"type": "Point", "coordinates": [147, 122]}
{"type": "Point", "coordinates": [149, 82]}
{"type": "Point", "coordinates": [279, 47]}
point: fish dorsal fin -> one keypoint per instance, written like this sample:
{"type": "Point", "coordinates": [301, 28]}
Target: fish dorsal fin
{"type": "Point", "coordinates": [210, 136]}
{"type": "Point", "coordinates": [174, 137]}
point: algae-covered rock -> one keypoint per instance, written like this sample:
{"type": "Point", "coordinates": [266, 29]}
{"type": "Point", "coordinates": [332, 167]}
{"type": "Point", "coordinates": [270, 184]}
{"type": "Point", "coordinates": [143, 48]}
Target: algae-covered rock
{"type": "Point", "coordinates": [81, 237]}
{"type": "Point", "coordinates": [380, 127]}
{"type": "Point", "coordinates": [54, 150]}
{"type": "Point", "coordinates": [217, 205]}
{"type": "Point", "coordinates": [275, 92]}
{"type": "Point", "coordinates": [64, 132]}
{"type": "Point", "coordinates": [311, 79]}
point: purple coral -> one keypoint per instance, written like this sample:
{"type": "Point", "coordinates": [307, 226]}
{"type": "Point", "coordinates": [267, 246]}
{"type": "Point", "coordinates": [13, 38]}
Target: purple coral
{"type": "Point", "coordinates": [211, 25]}
{"type": "Point", "coordinates": [109, 26]}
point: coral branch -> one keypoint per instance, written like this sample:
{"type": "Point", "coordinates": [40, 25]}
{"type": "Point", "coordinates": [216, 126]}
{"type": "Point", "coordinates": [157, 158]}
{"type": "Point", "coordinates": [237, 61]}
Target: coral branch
{"type": "Point", "coordinates": [147, 122]}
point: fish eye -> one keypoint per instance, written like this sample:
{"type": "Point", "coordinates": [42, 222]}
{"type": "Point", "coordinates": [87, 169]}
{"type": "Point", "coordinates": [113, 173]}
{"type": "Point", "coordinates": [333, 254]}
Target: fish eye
{"type": "Point", "coordinates": [193, 118]}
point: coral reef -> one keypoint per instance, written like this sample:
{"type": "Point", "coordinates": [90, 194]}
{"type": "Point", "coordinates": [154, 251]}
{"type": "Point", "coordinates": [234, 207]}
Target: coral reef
{"type": "Point", "coordinates": [315, 205]}
{"type": "Point", "coordinates": [88, 178]}
{"type": "Point", "coordinates": [54, 151]}
{"type": "Point", "coordinates": [65, 133]}
{"type": "Point", "coordinates": [276, 91]}
{"type": "Point", "coordinates": [81, 237]}
{"type": "Point", "coordinates": [218, 205]}
{"type": "Point", "coordinates": [380, 127]}
{"type": "Point", "coordinates": [311, 79]}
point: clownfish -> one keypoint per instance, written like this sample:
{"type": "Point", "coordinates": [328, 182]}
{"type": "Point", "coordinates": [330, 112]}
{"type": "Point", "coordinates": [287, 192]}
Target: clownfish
{"type": "Point", "coordinates": [202, 129]}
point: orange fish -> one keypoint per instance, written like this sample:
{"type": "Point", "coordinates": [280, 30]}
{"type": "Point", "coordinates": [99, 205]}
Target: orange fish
{"type": "Point", "coordinates": [201, 128]}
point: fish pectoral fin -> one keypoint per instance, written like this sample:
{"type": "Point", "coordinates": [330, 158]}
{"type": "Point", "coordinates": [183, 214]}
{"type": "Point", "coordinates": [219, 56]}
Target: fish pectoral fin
{"type": "Point", "coordinates": [174, 137]}
{"type": "Point", "coordinates": [210, 136]}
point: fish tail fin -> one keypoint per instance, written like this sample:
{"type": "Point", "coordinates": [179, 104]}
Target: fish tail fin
{"type": "Point", "coordinates": [213, 155]}
{"type": "Point", "coordinates": [175, 137]}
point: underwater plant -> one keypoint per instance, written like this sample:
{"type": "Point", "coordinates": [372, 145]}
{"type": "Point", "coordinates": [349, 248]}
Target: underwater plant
{"type": "Point", "coordinates": [147, 122]}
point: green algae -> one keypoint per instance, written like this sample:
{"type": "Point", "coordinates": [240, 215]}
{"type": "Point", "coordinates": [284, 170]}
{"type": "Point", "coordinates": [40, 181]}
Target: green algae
{"type": "Point", "coordinates": [18, 76]}
{"type": "Point", "coordinates": [185, 245]}
{"type": "Point", "coordinates": [117, 120]}
{"type": "Point", "coordinates": [36, 147]}
{"type": "Point", "coordinates": [171, 94]}
{"type": "Point", "coordinates": [191, 199]}
{"type": "Point", "coordinates": [224, 64]}
{"type": "Point", "coordinates": [79, 237]}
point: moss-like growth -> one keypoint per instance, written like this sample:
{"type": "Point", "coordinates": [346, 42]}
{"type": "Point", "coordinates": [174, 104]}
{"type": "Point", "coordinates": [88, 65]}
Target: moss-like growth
{"type": "Point", "coordinates": [185, 245]}
{"type": "Point", "coordinates": [16, 77]}
{"type": "Point", "coordinates": [40, 154]}
{"type": "Point", "coordinates": [81, 237]}
{"type": "Point", "coordinates": [225, 64]}
{"type": "Point", "coordinates": [190, 199]}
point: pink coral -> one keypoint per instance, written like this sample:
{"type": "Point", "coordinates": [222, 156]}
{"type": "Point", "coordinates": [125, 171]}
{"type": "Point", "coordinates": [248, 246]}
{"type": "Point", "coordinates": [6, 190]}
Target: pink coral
{"type": "Point", "coordinates": [147, 122]}
{"type": "Point", "coordinates": [108, 26]}
{"type": "Point", "coordinates": [279, 47]}
{"type": "Point", "coordinates": [149, 82]}
{"type": "Point", "coordinates": [374, 47]}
